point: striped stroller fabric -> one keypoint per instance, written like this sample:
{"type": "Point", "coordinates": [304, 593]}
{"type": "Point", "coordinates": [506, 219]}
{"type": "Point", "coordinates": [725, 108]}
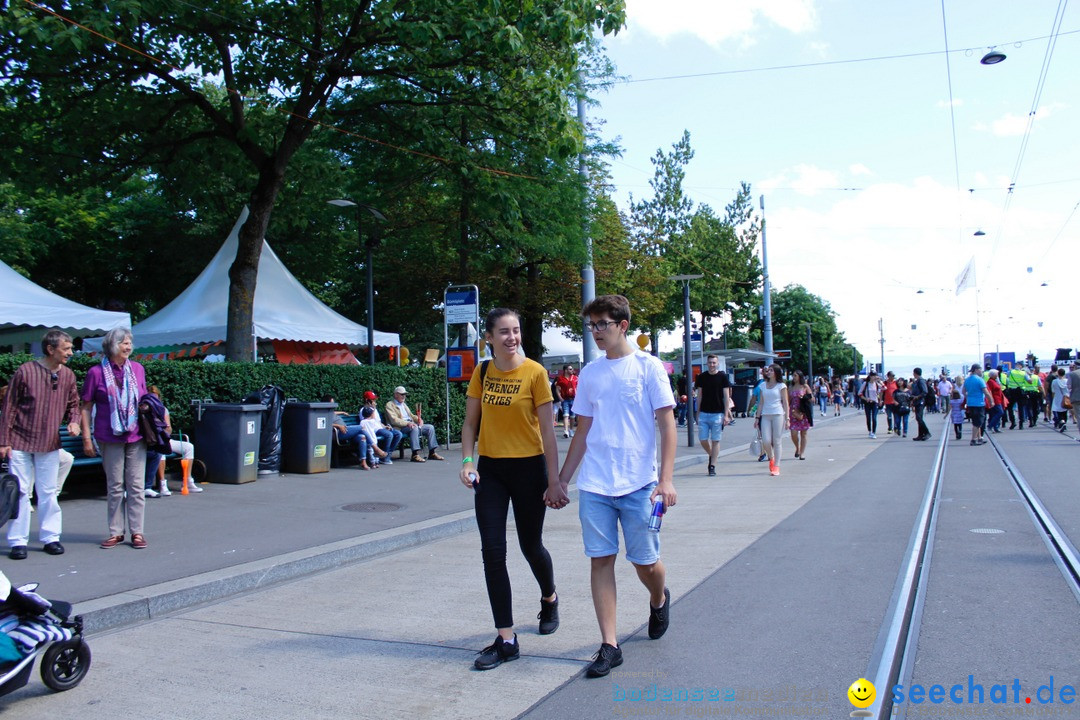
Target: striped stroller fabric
{"type": "Point", "coordinates": [32, 633]}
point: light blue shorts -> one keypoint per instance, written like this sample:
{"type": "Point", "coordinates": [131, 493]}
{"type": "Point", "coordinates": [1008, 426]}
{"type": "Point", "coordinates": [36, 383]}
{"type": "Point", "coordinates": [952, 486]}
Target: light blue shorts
{"type": "Point", "coordinates": [600, 517]}
{"type": "Point", "coordinates": [711, 425]}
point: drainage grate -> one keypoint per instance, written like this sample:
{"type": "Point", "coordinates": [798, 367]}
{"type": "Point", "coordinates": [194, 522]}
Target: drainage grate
{"type": "Point", "coordinates": [987, 531]}
{"type": "Point", "coordinates": [368, 507]}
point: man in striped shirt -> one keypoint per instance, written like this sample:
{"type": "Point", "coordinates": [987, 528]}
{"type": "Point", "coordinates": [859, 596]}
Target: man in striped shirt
{"type": "Point", "coordinates": [41, 394]}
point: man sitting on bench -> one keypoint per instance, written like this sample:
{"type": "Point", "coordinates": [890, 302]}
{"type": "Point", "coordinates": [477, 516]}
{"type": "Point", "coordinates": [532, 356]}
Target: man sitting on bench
{"type": "Point", "coordinates": [400, 417]}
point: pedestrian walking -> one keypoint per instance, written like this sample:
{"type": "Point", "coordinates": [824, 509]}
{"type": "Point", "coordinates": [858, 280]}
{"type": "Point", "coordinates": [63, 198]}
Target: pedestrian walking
{"type": "Point", "coordinates": [712, 395]}
{"type": "Point", "coordinates": [509, 406]}
{"type": "Point", "coordinates": [624, 398]}
{"type": "Point", "coordinates": [919, 394]}
{"type": "Point", "coordinates": [871, 395]}
{"type": "Point", "coordinates": [801, 418]}
{"type": "Point", "coordinates": [977, 398]}
{"type": "Point", "coordinates": [772, 415]}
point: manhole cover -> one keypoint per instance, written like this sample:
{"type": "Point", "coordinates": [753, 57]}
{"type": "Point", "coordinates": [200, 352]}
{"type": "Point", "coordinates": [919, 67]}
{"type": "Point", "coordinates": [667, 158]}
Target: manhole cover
{"type": "Point", "coordinates": [987, 531]}
{"type": "Point", "coordinates": [368, 507]}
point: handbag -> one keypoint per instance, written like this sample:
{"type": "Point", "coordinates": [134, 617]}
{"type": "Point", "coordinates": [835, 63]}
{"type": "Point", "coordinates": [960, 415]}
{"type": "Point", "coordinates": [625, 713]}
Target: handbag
{"type": "Point", "coordinates": [755, 446]}
{"type": "Point", "coordinates": [10, 494]}
{"type": "Point", "coordinates": [1066, 402]}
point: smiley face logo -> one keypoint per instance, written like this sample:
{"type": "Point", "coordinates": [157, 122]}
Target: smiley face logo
{"type": "Point", "coordinates": [862, 693]}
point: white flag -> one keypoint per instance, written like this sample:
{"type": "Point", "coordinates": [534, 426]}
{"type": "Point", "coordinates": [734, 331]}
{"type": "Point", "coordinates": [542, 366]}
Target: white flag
{"type": "Point", "coordinates": [966, 278]}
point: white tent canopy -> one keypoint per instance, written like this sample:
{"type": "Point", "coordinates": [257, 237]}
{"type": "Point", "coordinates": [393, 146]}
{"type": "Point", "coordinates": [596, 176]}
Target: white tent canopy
{"type": "Point", "coordinates": [283, 308]}
{"type": "Point", "coordinates": [28, 311]}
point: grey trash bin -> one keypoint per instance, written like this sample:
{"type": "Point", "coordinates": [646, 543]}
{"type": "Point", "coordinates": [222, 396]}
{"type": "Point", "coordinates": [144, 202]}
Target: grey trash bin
{"type": "Point", "coordinates": [740, 397]}
{"type": "Point", "coordinates": [227, 440]}
{"type": "Point", "coordinates": [306, 436]}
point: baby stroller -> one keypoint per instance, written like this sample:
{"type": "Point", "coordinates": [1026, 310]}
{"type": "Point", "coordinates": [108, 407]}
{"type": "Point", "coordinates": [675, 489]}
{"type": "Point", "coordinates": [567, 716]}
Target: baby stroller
{"type": "Point", "coordinates": [30, 625]}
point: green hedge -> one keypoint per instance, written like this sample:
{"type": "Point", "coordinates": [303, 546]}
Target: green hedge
{"type": "Point", "coordinates": [182, 381]}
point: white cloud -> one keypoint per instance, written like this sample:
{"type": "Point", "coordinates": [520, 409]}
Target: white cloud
{"type": "Point", "coordinates": [803, 179]}
{"type": "Point", "coordinates": [956, 102]}
{"type": "Point", "coordinates": [859, 169]}
{"type": "Point", "coordinates": [1011, 125]}
{"type": "Point", "coordinates": [717, 21]}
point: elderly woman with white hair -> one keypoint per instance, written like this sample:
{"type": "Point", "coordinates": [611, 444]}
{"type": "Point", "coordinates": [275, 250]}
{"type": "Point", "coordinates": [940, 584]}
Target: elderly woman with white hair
{"type": "Point", "coordinates": [112, 389]}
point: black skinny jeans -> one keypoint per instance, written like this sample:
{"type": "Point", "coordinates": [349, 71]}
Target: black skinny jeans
{"type": "Point", "coordinates": [871, 416]}
{"type": "Point", "coordinates": [521, 481]}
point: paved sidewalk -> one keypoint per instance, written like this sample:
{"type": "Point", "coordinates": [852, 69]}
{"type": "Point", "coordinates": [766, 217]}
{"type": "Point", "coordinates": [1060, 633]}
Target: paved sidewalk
{"type": "Point", "coordinates": [342, 643]}
{"type": "Point", "coordinates": [235, 538]}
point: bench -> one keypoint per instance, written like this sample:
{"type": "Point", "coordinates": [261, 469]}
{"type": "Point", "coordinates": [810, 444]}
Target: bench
{"type": "Point", "coordinates": [340, 447]}
{"type": "Point", "coordinates": [74, 445]}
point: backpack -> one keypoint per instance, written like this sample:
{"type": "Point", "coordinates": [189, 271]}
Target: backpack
{"type": "Point", "coordinates": [152, 424]}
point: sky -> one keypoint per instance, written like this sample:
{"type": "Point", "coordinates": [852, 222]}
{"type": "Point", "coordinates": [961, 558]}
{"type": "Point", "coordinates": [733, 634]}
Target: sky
{"type": "Point", "coordinates": [879, 156]}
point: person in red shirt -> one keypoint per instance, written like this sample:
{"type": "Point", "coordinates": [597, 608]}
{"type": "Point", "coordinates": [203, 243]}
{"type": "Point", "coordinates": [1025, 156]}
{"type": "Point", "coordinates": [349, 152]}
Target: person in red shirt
{"type": "Point", "coordinates": [890, 402]}
{"type": "Point", "coordinates": [566, 389]}
{"type": "Point", "coordinates": [997, 411]}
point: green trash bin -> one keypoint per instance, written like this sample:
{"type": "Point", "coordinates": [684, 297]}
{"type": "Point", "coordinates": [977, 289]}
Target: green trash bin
{"type": "Point", "coordinates": [306, 435]}
{"type": "Point", "coordinates": [227, 440]}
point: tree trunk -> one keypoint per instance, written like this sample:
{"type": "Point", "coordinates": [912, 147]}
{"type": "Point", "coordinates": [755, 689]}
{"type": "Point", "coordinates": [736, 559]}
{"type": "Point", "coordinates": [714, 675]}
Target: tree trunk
{"type": "Point", "coordinates": [244, 271]}
{"type": "Point", "coordinates": [532, 317]}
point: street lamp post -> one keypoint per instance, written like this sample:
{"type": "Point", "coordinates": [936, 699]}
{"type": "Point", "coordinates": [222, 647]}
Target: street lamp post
{"type": "Point", "coordinates": [766, 291]}
{"type": "Point", "coordinates": [371, 243]}
{"type": "Point", "coordinates": [688, 361]}
{"type": "Point", "coordinates": [809, 349]}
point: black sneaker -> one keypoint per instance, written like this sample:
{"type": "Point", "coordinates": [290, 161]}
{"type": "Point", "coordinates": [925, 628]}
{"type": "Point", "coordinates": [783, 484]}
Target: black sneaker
{"type": "Point", "coordinates": [496, 654]}
{"type": "Point", "coordinates": [712, 471]}
{"type": "Point", "coordinates": [17, 552]}
{"type": "Point", "coordinates": [548, 616]}
{"type": "Point", "coordinates": [607, 657]}
{"type": "Point", "coordinates": [658, 617]}
{"type": "Point", "coordinates": [54, 548]}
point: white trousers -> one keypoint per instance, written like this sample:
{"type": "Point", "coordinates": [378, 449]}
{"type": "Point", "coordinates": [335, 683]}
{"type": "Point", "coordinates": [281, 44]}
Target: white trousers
{"type": "Point", "coordinates": [38, 471]}
{"type": "Point", "coordinates": [772, 427]}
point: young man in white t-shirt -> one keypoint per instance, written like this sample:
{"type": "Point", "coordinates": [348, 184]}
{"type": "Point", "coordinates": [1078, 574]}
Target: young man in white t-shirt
{"type": "Point", "coordinates": [621, 399]}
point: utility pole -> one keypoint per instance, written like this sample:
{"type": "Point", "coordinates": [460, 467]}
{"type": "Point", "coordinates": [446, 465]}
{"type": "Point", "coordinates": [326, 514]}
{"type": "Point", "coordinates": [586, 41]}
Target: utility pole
{"type": "Point", "coordinates": [767, 294]}
{"type": "Point", "coordinates": [588, 277]}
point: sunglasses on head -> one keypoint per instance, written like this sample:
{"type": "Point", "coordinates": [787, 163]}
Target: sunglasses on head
{"type": "Point", "coordinates": [55, 380]}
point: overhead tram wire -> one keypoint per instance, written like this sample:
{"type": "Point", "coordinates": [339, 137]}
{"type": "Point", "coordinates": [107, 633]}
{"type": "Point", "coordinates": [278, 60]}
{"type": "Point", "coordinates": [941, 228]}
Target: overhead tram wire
{"type": "Point", "coordinates": [952, 117]}
{"type": "Point", "coordinates": [1040, 84]}
{"type": "Point", "coordinates": [826, 63]}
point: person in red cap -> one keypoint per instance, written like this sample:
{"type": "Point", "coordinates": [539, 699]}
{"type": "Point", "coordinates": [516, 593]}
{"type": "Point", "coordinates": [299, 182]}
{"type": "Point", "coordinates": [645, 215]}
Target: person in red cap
{"type": "Point", "coordinates": [389, 437]}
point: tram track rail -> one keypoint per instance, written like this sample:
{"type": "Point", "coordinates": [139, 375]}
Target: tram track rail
{"type": "Point", "coordinates": [892, 659]}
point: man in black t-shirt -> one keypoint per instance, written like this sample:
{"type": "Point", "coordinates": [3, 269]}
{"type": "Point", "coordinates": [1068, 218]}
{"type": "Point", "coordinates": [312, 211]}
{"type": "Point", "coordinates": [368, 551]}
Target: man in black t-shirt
{"type": "Point", "coordinates": [713, 393]}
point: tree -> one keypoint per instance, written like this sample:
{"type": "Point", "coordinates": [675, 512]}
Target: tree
{"type": "Point", "coordinates": [260, 79]}
{"type": "Point", "coordinates": [794, 307]}
{"type": "Point", "coordinates": [660, 225]}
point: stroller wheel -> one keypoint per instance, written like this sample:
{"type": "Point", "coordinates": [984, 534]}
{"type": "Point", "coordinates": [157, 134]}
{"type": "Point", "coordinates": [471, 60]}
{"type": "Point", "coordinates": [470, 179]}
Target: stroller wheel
{"type": "Point", "coordinates": [65, 664]}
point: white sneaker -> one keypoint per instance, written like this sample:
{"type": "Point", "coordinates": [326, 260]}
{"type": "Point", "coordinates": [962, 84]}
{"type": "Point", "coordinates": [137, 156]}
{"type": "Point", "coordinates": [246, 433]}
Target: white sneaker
{"type": "Point", "coordinates": [565, 434]}
{"type": "Point", "coordinates": [147, 492]}
{"type": "Point", "coordinates": [873, 435]}
{"type": "Point", "coordinates": [192, 487]}
{"type": "Point", "coordinates": [165, 491]}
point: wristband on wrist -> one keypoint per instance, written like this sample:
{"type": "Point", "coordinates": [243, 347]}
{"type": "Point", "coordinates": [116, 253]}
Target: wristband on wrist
{"type": "Point", "coordinates": [466, 461]}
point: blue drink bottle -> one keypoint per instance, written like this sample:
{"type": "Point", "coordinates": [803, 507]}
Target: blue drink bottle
{"type": "Point", "coordinates": [657, 516]}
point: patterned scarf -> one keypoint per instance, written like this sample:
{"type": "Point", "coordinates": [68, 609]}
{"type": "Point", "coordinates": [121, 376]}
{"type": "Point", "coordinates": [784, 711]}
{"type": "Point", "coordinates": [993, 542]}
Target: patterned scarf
{"type": "Point", "coordinates": [123, 402]}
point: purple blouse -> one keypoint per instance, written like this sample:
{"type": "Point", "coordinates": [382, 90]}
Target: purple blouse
{"type": "Point", "coordinates": [94, 391]}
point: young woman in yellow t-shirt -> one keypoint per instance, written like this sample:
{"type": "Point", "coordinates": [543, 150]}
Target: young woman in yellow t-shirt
{"type": "Point", "coordinates": [511, 411]}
